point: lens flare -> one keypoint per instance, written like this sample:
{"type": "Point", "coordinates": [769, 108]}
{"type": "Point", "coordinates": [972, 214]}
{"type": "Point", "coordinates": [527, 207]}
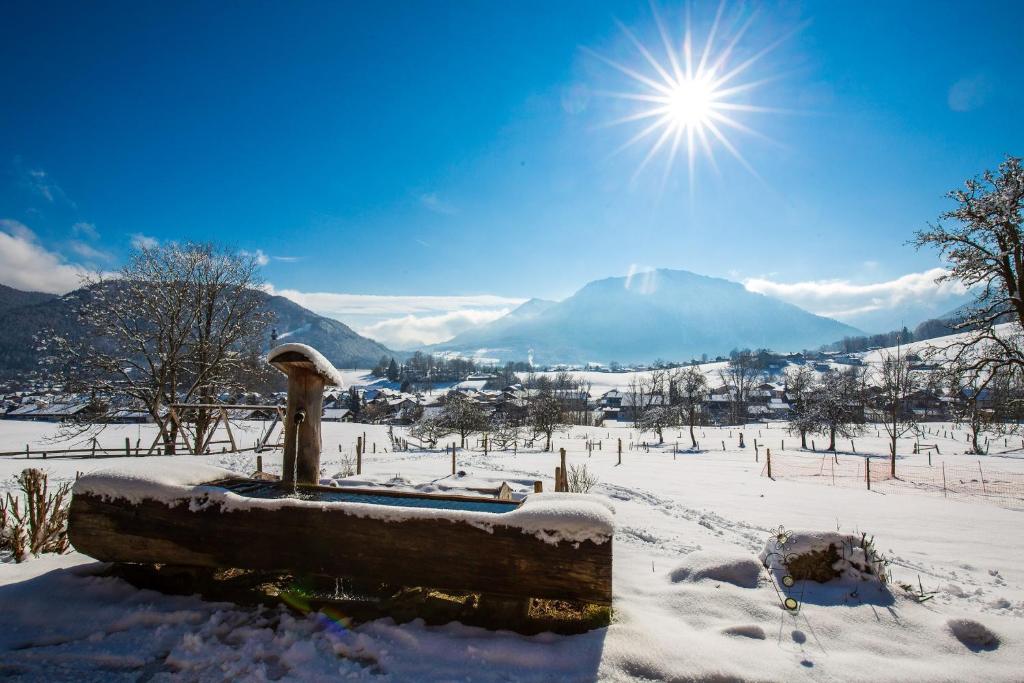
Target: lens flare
{"type": "Point", "coordinates": [688, 99]}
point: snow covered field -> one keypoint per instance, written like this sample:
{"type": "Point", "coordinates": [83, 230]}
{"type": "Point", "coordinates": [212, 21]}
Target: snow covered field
{"type": "Point", "coordinates": [690, 600]}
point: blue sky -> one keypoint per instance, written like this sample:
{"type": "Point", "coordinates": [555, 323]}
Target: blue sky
{"type": "Point", "coordinates": [454, 159]}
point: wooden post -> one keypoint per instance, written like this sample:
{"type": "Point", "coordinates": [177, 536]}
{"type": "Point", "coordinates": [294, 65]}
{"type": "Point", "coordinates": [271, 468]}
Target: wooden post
{"type": "Point", "coordinates": [306, 382]}
{"type": "Point", "coordinates": [453, 458]}
{"type": "Point", "coordinates": [982, 475]}
{"type": "Point", "coordinates": [558, 479]}
{"type": "Point", "coordinates": [943, 478]}
{"type": "Point", "coordinates": [359, 455]}
{"type": "Point", "coordinates": [565, 471]}
{"type": "Point", "coordinates": [259, 463]}
{"type": "Point", "coordinates": [620, 450]}
{"type": "Point", "coordinates": [756, 452]}
{"type": "Point", "coordinates": [768, 456]}
{"type": "Point", "coordinates": [867, 471]}
{"type": "Point", "coordinates": [538, 486]}
{"type": "Point", "coordinates": [127, 446]}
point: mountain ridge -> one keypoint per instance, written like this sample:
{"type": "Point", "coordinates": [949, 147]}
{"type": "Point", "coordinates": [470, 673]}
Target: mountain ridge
{"type": "Point", "coordinates": [23, 315]}
{"type": "Point", "coordinates": [671, 314]}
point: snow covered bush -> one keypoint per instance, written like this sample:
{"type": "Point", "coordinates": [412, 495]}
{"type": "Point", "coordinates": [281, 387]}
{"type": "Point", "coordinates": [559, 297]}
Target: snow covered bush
{"type": "Point", "coordinates": [580, 479]}
{"type": "Point", "coordinates": [822, 556]}
{"type": "Point", "coordinates": [38, 521]}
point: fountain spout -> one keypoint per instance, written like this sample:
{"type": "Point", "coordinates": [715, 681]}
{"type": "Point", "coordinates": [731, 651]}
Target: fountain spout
{"type": "Point", "coordinates": [308, 373]}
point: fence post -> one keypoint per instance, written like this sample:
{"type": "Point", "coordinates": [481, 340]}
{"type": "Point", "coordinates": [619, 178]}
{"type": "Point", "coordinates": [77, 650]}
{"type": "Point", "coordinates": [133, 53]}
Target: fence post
{"type": "Point", "coordinates": [359, 455]}
{"type": "Point", "coordinates": [538, 487]}
{"type": "Point", "coordinates": [259, 463]}
{"type": "Point", "coordinates": [943, 478]}
{"type": "Point", "coordinates": [620, 450]}
{"type": "Point", "coordinates": [768, 455]}
{"type": "Point", "coordinates": [565, 472]}
{"type": "Point", "coordinates": [558, 479]}
{"type": "Point", "coordinates": [453, 458]}
{"type": "Point", "coordinates": [128, 446]}
{"type": "Point", "coordinates": [982, 475]}
{"type": "Point", "coordinates": [867, 471]}
{"type": "Point", "coordinates": [756, 452]}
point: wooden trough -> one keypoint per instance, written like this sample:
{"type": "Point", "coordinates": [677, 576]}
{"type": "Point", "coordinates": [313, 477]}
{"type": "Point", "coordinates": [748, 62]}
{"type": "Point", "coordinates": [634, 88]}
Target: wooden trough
{"type": "Point", "coordinates": [513, 550]}
{"type": "Point", "coordinates": [551, 545]}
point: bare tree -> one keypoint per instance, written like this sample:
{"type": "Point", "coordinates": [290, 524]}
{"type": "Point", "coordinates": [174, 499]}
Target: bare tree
{"type": "Point", "coordinates": [984, 401]}
{"type": "Point", "coordinates": [691, 385]}
{"type": "Point", "coordinates": [545, 414]}
{"type": "Point", "coordinates": [657, 419]}
{"type": "Point", "coordinates": [985, 249]}
{"type": "Point", "coordinates": [895, 384]}
{"type": "Point", "coordinates": [503, 431]}
{"type": "Point", "coordinates": [463, 416]}
{"type": "Point", "coordinates": [740, 375]}
{"type": "Point", "coordinates": [836, 405]}
{"type": "Point", "coordinates": [176, 323]}
{"type": "Point", "coordinates": [800, 388]}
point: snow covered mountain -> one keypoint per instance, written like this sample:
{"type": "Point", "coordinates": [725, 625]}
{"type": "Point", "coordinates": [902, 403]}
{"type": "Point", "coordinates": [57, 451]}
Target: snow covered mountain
{"type": "Point", "coordinates": [25, 314]}
{"type": "Point", "coordinates": [669, 314]}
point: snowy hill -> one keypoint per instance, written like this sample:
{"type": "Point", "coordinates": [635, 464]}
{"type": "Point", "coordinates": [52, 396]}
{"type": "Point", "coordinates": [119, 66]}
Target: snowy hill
{"type": "Point", "coordinates": [23, 315]}
{"type": "Point", "coordinates": [670, 314]}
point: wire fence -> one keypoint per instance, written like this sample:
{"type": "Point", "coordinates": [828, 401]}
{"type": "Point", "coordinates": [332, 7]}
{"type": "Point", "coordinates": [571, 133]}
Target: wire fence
{"type": "Point", "coordinates": [961, 480]}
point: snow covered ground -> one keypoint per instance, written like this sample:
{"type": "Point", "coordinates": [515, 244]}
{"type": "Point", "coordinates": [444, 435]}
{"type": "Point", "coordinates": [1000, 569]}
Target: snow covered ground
{"type": "Point", "coordinates": [691, 602]}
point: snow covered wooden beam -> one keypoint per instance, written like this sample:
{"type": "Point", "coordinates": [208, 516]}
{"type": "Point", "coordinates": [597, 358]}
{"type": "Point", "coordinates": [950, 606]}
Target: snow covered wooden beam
{"type": "Point", "coordinates": [552, 545]}
{"type": "Point", "coordinates": [308, 372]}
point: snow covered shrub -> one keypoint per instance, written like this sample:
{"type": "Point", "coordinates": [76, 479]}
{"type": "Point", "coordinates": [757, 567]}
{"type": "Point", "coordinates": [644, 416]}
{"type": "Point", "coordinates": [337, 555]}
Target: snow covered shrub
{"type": "Point", "coordinates": [580, 479]}
{"type": "Point", "coordinates": [38, 521]}
{"type": "Point", "coordinates": [348, 467]}
{"type": "Point", "coordinates": [822, 556]}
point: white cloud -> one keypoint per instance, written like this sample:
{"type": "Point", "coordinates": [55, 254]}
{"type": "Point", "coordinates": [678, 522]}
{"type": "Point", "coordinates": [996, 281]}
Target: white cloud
{"type": "Point", "coordinates": [411, 331]}
{"type": "Point", "coordinates": [87, 230]}
{"type": "Point", "coordinates": [970, 93]}
{"type": "Point", "coordinates": [432, 202]}
{"type": "Point", "coordinates": [404, 321]}
{"type": "Point", "coordinates": [89, 252]}
{"type": "Point", "coordinates": [258, 256]}
{"type": "Point", "coordinates": [25, 264]}
{"type": "Point", "coordinates": [846, 300]}
{"type": "Point", "coordinates": [140, 241]}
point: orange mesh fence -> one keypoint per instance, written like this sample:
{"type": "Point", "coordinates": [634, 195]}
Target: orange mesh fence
{"type": "Point", "coordinates": [963, 480]}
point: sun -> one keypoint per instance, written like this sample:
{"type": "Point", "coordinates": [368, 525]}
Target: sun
{"type": "Point", "coordinates": [690, 100]}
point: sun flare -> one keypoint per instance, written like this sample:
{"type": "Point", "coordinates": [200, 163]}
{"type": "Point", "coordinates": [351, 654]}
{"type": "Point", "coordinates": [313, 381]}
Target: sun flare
{"type": "Point", "coordinates": [689, 98]}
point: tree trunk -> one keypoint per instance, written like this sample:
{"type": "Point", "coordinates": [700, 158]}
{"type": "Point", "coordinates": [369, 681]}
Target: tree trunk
{"type": "Point", "coordinates": [803, 439]}
{"type": "Point", "coordinates": [693, 439]}
{"type": "Point", "coordinates": [832, 439]}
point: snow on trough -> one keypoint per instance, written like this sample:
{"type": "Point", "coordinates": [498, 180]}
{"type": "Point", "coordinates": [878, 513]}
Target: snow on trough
{"type": "Point", "coordinates": [551, 517]}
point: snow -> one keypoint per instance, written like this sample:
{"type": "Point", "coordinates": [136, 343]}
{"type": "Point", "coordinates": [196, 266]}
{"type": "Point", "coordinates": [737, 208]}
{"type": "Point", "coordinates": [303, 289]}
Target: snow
{"type": "Point", "coordinates": [688, 604]}
{"type": "Point", "coordinates": [323, 366]}
{"type": "Point", "coordinates": [551, 517]}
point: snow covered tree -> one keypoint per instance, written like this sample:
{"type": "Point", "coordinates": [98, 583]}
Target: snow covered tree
{"type": "Point", "coordinates": [463, 416]}
{"type": "Point", "coordinates": [176, 323]}
{"type": "Point", "coordinates": [800, 388]}
{"type": "Point", "coordinates": [503, 431]}
{"type": "Point", "coordinates": [895, 383]}
{"type": "Point", "coordinates": [691, 386]}
{"type": "Point", "coordinates": [545, 414]}
{"type": "Point", "coordinates": [836, 406]}
{"type": "Point", "coordinates": [741, 374]}
{"type": "Point", "coordinates": [657, 419]}
{"type": "Point", "coordinates": [985, 402]}
{"type": "Point", "coordinates": [985, 248]}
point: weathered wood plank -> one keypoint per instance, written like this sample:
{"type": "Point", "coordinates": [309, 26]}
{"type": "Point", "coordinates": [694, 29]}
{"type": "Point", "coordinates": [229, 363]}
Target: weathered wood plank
{"type": "Point", "coordinates": [436, 553]}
